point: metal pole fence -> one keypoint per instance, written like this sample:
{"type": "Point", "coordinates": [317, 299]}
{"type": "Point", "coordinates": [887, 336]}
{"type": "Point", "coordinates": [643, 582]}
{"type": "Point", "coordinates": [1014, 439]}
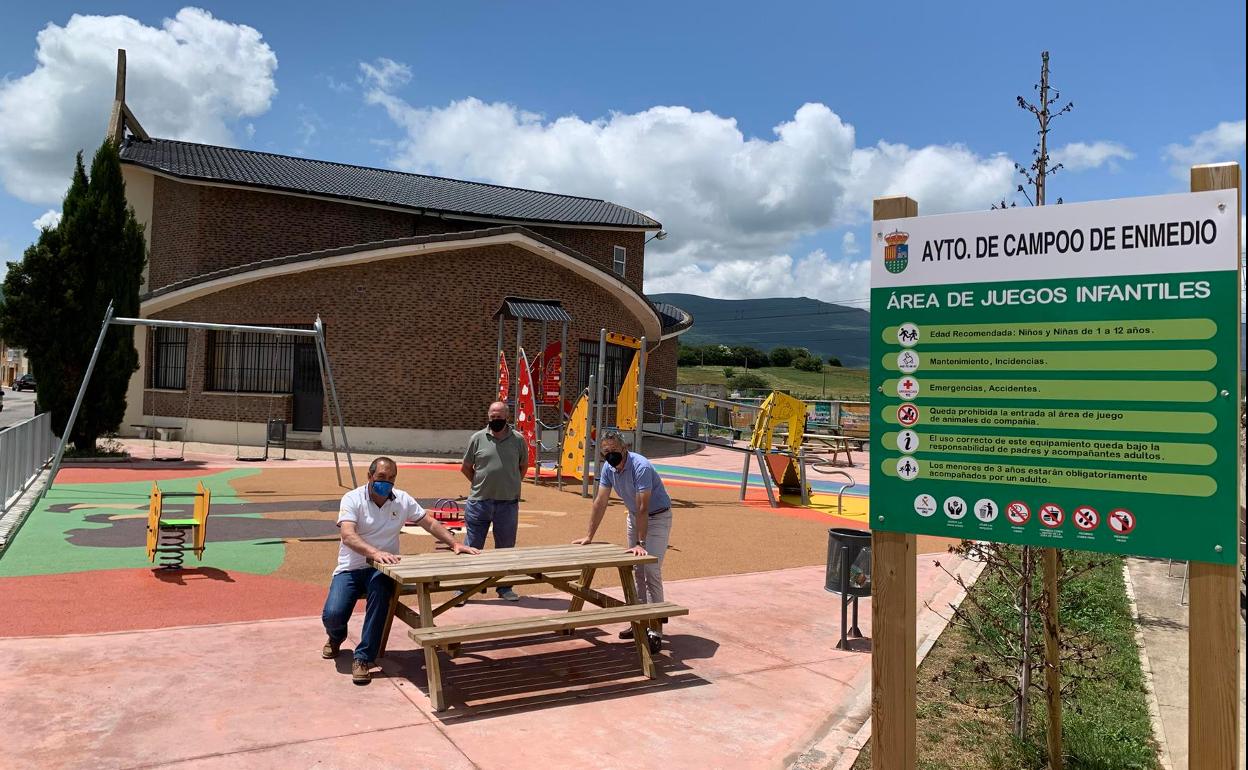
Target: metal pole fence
{"type": "Point", "coordinates": [25, 449]}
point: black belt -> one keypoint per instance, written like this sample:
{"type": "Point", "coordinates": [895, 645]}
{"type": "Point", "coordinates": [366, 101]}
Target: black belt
{"type": "Point", "coordinates": [656, 513]}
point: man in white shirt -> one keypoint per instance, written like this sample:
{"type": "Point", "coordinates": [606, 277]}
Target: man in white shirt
{"type": "Point", "coordinates": [370, 519]}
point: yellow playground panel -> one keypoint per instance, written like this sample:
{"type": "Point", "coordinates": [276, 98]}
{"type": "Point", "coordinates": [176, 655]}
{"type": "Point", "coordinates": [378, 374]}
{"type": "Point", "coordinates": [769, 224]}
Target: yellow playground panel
{"type": "Point", "coordinates": [572, 456]}
{"type": "Point", "coordinates": [572, 453]}
{"type": "Point", "coordinates": [167, 538]}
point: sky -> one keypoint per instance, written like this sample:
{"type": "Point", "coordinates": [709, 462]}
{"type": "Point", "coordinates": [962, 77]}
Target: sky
{"type": "Point", "coordinates": [757, 134]}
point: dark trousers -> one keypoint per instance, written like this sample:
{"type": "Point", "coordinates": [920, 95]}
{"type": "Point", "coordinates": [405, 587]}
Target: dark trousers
{"type": "Point", "coordinates": [503, 515]}
{"type": "Point", "coordinates": [344, 591]}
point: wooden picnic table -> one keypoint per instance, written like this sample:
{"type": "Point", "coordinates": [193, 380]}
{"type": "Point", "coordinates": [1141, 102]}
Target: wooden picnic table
{"type": "Point", "coordinates": [836, 443]}
{"type": "Point", "coordinates": [569, 568]}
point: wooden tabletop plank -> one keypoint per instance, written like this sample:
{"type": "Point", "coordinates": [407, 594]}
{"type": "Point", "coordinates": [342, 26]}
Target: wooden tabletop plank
{"type": "Point", "coordinates": [435, 567]}
{"type": "Point", "coordinates": [509, 555]}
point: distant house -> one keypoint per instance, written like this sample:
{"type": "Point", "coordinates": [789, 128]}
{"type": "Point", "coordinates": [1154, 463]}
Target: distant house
{"type": "Point", "coordinates": [406, 271]}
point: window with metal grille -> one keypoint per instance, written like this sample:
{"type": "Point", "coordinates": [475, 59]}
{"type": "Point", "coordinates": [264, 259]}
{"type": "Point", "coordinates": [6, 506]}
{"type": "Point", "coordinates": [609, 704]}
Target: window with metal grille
{"type": "Point", "coordinates": [168, 358]}
{"type": "Point", "coordinates": [619, 358]}
{"type": "Point", "coordinates": [252, 362]}
{"type": "Point", "coordinates": [621, 258]}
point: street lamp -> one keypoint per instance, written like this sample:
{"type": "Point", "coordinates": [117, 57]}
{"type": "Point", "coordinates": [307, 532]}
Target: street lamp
{"type": "Point", "coordinates": [660, 235]}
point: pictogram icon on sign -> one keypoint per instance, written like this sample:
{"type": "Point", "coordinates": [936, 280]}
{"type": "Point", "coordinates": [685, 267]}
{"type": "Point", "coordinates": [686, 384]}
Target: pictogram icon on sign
{"type": "Point", "coordinates": [907, 414]}
{"type": "Point", "coordinates": [1052, 515]}
{"type": "Point", "coordinates": [907, 362]}
{"type": "Point", "coordinates": [908, 388]}
{"type": "Point", "coordinates": [907, 441]}
{"type": "Point", "coordinates": [955, 507]}
{"type": "Point", "coordinates": [1121, 521]}
{"type": "Point", "coordinates": [1018, 513]}
{"type": "Point", "coordinates": [907, 468]}
{"type": "Point", "coordinates": [925, 505]}
{"type": "Point", "coordinates": [1086, 518]}
{"type": "Point", "coordinates": [986, 510]}
{"type": "Point", "coordinates": [908, 335]}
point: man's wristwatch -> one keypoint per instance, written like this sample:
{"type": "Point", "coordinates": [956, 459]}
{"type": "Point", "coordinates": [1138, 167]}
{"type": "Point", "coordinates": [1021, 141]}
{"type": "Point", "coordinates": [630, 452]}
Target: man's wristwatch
{"type": "Point", "coordinates": [641, 543]}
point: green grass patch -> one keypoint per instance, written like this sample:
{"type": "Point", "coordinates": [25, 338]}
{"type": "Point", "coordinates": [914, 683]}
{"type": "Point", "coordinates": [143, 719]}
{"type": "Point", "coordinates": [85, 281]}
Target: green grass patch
{"type": "Point", "coordinates": [834, 382]}
{"type": "Point", "coordinates": [1106, 725]}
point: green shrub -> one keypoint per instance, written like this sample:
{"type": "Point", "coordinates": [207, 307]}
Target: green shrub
{"type": "Point", "coordinates": [749, 381]}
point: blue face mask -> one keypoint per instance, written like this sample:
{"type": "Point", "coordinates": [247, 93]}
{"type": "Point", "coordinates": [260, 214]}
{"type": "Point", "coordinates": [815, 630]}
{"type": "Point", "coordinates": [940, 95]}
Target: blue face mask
{"type": "Point", "coordinates": [383, 488]}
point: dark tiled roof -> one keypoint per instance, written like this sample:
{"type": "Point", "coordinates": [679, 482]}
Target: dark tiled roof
{"type": "Point", "coordinates": [533, 310]}
{"type": "Point", "coordinates": [372, 185]}
{"type": "Point", "coordinates": [674, 319]}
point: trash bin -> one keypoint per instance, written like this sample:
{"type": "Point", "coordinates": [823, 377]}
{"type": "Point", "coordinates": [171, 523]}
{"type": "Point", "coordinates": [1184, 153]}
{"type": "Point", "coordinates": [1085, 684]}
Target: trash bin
{"type": "Point", "coordinates": [691, 429]}
{"type": "Point", "coordinates": [275, 436]}
{"type": "Point", "coordinates": [849, 562]}
{"type": "Point", "coordinates": [848, 574]}
{"type": "Point", "coordinates": [277, 431]}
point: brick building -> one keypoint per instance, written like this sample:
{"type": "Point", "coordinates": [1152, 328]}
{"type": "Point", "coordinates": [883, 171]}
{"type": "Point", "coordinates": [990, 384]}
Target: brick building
{"type": "Point", "coordinates": [406, 272]}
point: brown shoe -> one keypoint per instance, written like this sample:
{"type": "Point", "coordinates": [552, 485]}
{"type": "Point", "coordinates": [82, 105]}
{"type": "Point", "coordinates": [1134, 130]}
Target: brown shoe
{"type": "Point", "coordinates": [360, 673]}
{"type": "Point", "coordinates": [330, 650]}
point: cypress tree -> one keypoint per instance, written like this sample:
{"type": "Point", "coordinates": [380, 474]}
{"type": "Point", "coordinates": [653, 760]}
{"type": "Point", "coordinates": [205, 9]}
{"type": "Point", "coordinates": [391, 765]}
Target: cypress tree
{"type": "Point", "coordinates": [56, 298]}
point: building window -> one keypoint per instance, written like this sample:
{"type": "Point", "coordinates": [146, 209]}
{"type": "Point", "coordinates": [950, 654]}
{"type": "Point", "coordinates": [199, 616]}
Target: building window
{"type": "Point", "coordinates": [251, 362]}
{"type": "Point", "coordinates": [168, 358]}
{"type": "Point", "coordinates": [619, 358]}
{"type": "Point", "coordinates": [621, 259]}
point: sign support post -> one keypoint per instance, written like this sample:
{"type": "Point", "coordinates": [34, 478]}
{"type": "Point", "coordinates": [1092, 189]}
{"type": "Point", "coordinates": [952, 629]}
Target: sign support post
{"type": "Point", "coordinates": [1213, 637]}
{"type": "Point", "coordinates": [894, 587]}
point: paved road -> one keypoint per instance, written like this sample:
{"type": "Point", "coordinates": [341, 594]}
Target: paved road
{"type": "Point", "coordinates": [17, 407]}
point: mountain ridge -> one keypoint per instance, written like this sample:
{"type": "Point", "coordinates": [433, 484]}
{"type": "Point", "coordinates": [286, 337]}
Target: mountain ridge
{"type": "Point", "coordinates": [822, 327]}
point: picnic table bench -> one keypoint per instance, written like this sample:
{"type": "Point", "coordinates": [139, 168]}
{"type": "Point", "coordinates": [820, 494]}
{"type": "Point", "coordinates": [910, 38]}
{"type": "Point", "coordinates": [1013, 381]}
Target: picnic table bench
{"type": "Point", "coordinates": [836, 443]}
{"type": "Point", "coordinates": [569, 568]}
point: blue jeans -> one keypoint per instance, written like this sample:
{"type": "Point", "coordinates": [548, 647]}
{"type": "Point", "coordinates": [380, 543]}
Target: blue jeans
{"type": "Point", "coordinates": [504, 515]}
{"type": "Point", "coordinates": [344, 591]}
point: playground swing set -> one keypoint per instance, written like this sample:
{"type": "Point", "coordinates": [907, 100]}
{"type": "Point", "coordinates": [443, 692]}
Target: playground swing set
{"type": "Point", "coordinates": [167, 537]}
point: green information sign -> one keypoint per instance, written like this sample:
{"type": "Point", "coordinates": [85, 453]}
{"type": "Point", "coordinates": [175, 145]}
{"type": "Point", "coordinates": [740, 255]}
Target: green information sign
{"type": "Point", "coordinates": [1064, 376]}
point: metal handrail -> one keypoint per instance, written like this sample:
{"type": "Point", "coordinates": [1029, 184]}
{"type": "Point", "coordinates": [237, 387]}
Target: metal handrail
{"type": "Point", "coordinates": [25, 449]}
{"type": "Point", "coordinates": [822, 466]}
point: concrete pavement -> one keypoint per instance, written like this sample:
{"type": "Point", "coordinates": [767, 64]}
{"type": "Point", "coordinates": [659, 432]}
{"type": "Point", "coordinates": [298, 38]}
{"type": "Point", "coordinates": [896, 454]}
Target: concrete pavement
{"type": "Point", "coordinates": [752, 680]}
{"type": "Point", "coordinates": [1162, 624]}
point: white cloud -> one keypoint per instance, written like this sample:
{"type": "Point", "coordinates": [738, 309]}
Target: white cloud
{"type": "Point", "coordinates": [384, 74]}
{"type": "Point", "coordinates": [1223, 142]}
{"type": "Point", "coordinates": [49, 218]}
{"type": "Point", "coordinates": [726, 198]}
{"type": "Point", "coordinates": [815, 275]}
{"type": "Point", "coordinates": [849, 244]}
{"type": "Point", "coordinates": [192, 79]}
{"type": "Point", "coordinates": [1080, 156]}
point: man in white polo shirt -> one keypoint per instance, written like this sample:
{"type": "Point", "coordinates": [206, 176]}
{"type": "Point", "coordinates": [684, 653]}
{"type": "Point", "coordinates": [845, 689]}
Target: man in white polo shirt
{"type": "Point", "coordinates": [370, 519]}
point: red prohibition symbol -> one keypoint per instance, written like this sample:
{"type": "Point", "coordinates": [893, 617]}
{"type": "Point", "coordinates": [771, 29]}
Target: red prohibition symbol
{"type": "Point", "coordinates": [907, 414]}
{"type": "Point", "coordinates": [1121, 521]}
{"type": "Point", "coordinates": [1051, 515]}
{"type": "Point", "coordinates": [1086, 518]}
{"type": "Point", "coordinates": [1018, 513]}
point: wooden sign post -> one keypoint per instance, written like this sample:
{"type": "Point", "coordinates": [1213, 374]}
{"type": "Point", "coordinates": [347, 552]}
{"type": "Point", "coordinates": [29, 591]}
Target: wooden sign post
{"type": "Point", "coordinates": [1213, 718]}
{"type": "Point", "coordinates": [894, 593]}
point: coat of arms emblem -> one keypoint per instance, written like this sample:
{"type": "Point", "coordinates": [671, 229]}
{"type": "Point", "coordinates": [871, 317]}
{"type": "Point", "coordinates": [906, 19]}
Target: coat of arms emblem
{"type": "Point", "coordinates": [896, 252]}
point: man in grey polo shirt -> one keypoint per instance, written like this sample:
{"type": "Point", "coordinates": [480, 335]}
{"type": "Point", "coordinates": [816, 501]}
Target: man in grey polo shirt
{"type": "Point", "coordinates": [494, 464]}
{"type": "Point", "coordinates": [649, 517]}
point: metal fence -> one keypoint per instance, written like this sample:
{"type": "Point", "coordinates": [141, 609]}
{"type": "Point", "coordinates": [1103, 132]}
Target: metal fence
{"type": "Point", "coordinates": [25, 448]}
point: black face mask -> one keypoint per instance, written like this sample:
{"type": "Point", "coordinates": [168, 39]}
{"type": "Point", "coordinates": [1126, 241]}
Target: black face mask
{"type": "Point", "coordinates": [497, 425]}
{"type": "Point", "coordinates": [614, 459]}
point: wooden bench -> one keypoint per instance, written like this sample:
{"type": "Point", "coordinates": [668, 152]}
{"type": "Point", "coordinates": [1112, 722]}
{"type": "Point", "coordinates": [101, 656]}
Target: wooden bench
{"type": "Point", "coordinates": [165, 432]}
{"type": "Point", "coordinates": [447, 637]}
